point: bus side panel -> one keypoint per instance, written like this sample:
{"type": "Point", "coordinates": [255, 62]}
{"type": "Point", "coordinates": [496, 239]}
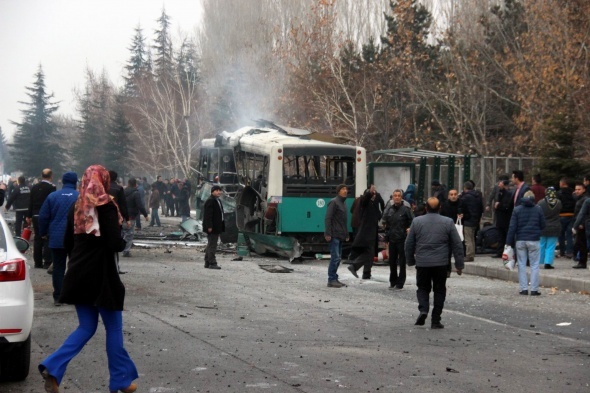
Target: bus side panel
{"type": "Point", "coordinates": [306, 215]}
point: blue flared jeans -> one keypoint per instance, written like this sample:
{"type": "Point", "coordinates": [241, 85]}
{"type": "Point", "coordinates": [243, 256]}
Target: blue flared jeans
{"type": "Point", "coordinates": [122, 370]}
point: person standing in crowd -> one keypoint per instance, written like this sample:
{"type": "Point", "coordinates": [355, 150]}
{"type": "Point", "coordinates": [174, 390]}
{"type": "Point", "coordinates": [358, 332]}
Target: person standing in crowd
{"type": "Point", "coordinates": [134, 208]}
{"type": "Point", "coordinates": [155, 205]}
{"type": "Point", "coordinates": [566, 218]}
{"type": "Point", "coordinates": [39, 193]}
{"type": "Point", "coordinates": [142, 192]}
{"type": "Point", "coordinates": [537, 188]}
{"type": "Point", "coordinates": [355, 219]}
{"type": "Point", "coordinates": [118, 192]}
{"type": "Point", "coordinates": [398, 219]}
{"type": "Point", "coordinates": [363, 246]}
{"type": "Point", "coordinates": [438, 191]}
{"type": "Point", "coordinates": [336, 233]}
{"type": "Point", "coordinates": [20, 199]}
{"type": "Point", "coordinates": [520, 187]}
{"type": "Point", "coordinates": [175, 193]}
{"type": "Point", "coordinates": [93, 284]}
{"type": "Point", "coordinates": [551, 207]}
{"type": "Point", "coordinates": [53, 218]}
{"type": "Point", "coordinates": [183, 201]}
{"type": "Point", "coordinates": [473, 209]}
{"type": "Point", "coordinates": [214, 224]}
{"type": "Point", "coordinates": [169, 200]}
{"type": "Point", "coordinates": [580, 227]}
{"type": "Point", "coordinates": [453, 208]}
{"type": "Point", "coordinates": [503, 209]}
{"type": "Point", "coordinates": [526, 224]}
{"type": "Point", "coordinates": [430, 238]}
{"type": "Point", "coordinates": [161, 187]}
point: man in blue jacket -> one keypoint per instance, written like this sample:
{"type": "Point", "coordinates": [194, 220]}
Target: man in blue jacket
{"type": "Point", "coordinates": [428, 243]}
{"type": "Point", "coordinates": [526, 224]}
{"type": "Point", "coordinates": [53, 218]}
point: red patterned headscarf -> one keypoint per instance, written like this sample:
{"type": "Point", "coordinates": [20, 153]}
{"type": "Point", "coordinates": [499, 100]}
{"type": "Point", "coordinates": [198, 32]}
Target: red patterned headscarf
{"type": "Point", "coordinates": [93, 193]}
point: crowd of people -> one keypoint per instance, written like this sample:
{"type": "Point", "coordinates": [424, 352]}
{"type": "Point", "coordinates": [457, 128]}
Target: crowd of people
{"type": "Point", "coordinates": [539, 223]}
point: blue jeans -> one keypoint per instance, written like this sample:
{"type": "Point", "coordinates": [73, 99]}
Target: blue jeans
{"type": "Point", "coordinates": [122, 370]}
{"type": "Point", "coordinates": [59, 270]}
{"type": "Point", "coordinates": [155, 217]}
{"type": "Point", "coordinates": [547, 250]}
{"type": "Point", "coordinates": [528, 250]}
{"type": "Point", "coordinates": [566, 240]}
{"type": "Point", "coordinates": [335, 258]}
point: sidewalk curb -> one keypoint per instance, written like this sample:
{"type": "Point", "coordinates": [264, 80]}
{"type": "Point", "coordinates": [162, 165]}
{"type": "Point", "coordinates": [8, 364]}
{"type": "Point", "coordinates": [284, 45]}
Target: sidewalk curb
{"type": "Point", "coordinates": [546, 281]}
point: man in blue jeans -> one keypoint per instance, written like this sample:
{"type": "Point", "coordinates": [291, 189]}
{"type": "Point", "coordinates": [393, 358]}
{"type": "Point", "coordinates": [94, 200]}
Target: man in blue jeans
{"type": "Point", "coordinates": [336, 232]}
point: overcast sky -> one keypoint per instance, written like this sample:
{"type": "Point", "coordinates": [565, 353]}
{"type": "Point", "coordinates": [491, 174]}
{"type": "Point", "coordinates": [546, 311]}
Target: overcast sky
{"type": "Point", "coordinates": [66, 36]}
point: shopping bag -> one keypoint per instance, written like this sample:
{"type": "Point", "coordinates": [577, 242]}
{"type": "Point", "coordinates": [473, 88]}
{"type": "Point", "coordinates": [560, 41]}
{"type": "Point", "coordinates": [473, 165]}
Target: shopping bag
{"type": "Point", "coordinates": [508, 257]}
{"type": "Point", "coordinates": [459, 227]}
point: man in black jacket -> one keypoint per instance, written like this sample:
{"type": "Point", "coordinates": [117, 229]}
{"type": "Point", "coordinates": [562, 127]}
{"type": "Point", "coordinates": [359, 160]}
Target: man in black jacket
{"type": "Point", "coordinates": [213, 225]}
{"type": "Point", "coordinates": [19, 198]}
{"type": "Point", "coordinates": [473, 207]}
{"type": "Point", "coordinates": [117, 192]}
{"type": "Point", "coordinates": [39, 193]}
{"type": "Point", "coordinates": [566, 218]}
{"type": "Point", "coordinates": [134, 208]}
{"type": "Point", "coordinates": [503, 208]}
{"type": "Point", "coordinates": [336, 233]}
{"type": "Point", "coordinates": [397, 220]}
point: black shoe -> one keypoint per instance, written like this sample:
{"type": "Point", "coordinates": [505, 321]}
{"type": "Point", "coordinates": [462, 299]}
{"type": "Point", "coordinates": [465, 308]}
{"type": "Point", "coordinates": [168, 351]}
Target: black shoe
{"type": "Point", "coordinates": [351, 269]}
{"type": "Point", "coordinates": [548, 266]}
{"type": "Point", "coordinates": [421, 319]}
{"type": "Point", "coordinates": [535, 293]}
{"type": "Point", "coordinates": [341, 283]}
{"type": "Point", "coordinates": [122, 272]}
{"type": "Point", "coordinates": [215, 267]}
{"type": "Point", "coordinates": [579, 266]}
{"type": "Point", "coordinates": [437, 325]}
{"type": "Point", "coordinates": [38, 266]}
{"type": "Point", "coordinates": [526, 293]}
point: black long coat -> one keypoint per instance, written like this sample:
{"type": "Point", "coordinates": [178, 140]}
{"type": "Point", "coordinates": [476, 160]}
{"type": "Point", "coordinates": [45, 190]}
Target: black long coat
{"type": "Point", "coordinates": [213, 216]}
{"type": "Point", "coordinates": [92, 277]}
{"type": "Point", "coordinates": [370, 214]}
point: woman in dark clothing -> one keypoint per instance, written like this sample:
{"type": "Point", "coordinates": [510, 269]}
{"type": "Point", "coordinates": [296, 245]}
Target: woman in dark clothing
{"type": "Point", "coordinates": [92, 283]}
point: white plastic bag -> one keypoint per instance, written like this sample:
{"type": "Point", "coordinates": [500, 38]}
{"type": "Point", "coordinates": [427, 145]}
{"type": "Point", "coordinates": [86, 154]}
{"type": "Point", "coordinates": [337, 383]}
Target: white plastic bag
{"type": "Point", "coordinates": [508, 257]}
{"type": "Point", "coordinates": [459, 227]}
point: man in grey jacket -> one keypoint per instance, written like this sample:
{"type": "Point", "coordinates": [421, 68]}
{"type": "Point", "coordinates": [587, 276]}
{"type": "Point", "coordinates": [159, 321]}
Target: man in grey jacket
{"type": "Point", "coordinates": [428, 243]}
{"type": "Point", "coordinates": [336, 232]}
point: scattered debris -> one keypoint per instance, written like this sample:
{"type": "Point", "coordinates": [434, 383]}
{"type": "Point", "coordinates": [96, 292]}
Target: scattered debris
{"type": "Point", "coordinates": [451, 370]}
{"type": "Point", "coordinates": [276, 269]}
{"type": "Point", "coordinates": [564, 324]}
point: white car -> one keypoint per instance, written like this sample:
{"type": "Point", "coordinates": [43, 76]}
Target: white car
{"type": "Point", "coordinates": [16, 307]}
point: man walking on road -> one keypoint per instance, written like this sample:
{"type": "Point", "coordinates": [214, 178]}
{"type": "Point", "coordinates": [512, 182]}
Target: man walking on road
{"type": "Point", "coordinates": [214, 224]}
{"type": "Point", "coordinates": [39, 193]}
{"type": "Point", "coordinates": [336, 232]}
{"type": "Point", "coordinates": [53, 219]}
{"type": "Point", "coordinates": [427, 246]}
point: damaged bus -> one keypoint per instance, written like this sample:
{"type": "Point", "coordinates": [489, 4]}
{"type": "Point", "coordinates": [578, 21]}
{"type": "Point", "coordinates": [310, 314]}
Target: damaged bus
{"type": "Point", "coordinates": [280, 181]}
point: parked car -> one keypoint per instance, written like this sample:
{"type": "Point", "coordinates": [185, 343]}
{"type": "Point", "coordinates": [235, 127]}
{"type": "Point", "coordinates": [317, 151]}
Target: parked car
{"type": "Point", "coordinates": [16, 306]}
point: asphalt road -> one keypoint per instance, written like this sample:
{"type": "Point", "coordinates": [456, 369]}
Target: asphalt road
{"type": "Point", "coordinates": [243, 329]}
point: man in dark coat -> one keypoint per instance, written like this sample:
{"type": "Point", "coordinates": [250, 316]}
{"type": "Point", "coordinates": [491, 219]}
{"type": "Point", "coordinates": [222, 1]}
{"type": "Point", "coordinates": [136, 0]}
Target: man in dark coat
{"type": "Point", "coordinates": [566, 218]}
{"type": "Point", "coordinates": [397, 219]}
{"type": "Point", "coordinates": [134, 208]}
{"type": "Point", "coordinates": [53, 219]}
{"type": "Point", "coordinates": [336, 233]}
{"type": "Point", "coordinates": [453, 208]}
{"type": "Point", "coordinates": [503, 210]}
{"type": "Point", "coordinates": [473, 206]}
{"type": "Point", "coordinates": [520, 187]}
{"type": "Point", "coordinates": [363, 246]}
{"type": "Point", "coordinates": [39, 193]}
{"type": "Point", "coordinates": [214, 225]}
{"type": "Point", "coordinates": [581, 216]}
{"type": "Point", "coordinates": [183, 201]}
{"type": "Point", "coordinates": [117, 192]}
{"type": "Point", "coordinates": [162, 190]}
{"type": "Point", "coordinates": [427, 246]}
{"type": "Point", "coordinates": [20, 199]}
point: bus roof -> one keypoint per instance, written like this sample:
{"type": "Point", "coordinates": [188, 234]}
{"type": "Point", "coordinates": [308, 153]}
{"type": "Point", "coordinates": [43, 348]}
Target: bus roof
{"type": "Point", "coordinates": [261, 140]}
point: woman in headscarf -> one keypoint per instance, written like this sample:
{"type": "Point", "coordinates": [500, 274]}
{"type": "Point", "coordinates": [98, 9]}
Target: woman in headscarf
{"type": "Point", "coordinates": [92, 283]}
{"type": "Point", "coordinates": [551, 208]}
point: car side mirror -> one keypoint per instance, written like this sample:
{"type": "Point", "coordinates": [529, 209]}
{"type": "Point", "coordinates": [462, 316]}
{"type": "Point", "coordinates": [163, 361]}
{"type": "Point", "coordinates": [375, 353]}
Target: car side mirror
{"type": "Point", "coordinates": [21, 244]}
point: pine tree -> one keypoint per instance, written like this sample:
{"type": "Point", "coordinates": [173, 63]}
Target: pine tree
{"type": "Point", "coordinates": [95, 108]}
{"type": "Point", "coordinates": [163, 62]}
{"type": "Point", "coordinates": [35, 145]}
{"type": "Point", "coordinates": [5, 163]}
{"type": "Point", "coordinates": [137, 65]}
{"type": "Point", "coordinates": [118, 142]}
